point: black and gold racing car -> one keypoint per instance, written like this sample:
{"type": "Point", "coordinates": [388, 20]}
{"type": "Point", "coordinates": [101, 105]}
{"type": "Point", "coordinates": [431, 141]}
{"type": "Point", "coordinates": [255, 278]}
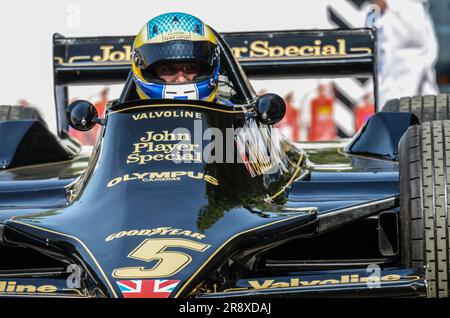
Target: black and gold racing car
{"type": "Point", "coordinates": [159, 208]}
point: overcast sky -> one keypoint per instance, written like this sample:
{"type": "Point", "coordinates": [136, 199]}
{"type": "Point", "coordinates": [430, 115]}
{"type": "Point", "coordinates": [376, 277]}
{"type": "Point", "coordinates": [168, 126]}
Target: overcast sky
{"type": "Point", "coordinates": [26, 28]}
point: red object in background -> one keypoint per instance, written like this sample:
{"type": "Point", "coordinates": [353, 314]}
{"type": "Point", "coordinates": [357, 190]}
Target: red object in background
{"type": "Point", "coordinates": [322, 125]}
{"type": "Point", "coordinates": [88, 137]}
{"type": "Point", "coordinates": [290, 126]}
{"type": "Point", "coordinates": [363, 112]}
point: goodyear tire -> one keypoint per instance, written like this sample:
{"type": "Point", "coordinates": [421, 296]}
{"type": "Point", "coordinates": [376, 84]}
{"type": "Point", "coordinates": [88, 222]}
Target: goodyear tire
{"type": "Point", "coordinates": [8, 113]}
{"type": "Point", "coordinates": [425, 202]}
{"type": "Point", "coordinates": [426, 108]}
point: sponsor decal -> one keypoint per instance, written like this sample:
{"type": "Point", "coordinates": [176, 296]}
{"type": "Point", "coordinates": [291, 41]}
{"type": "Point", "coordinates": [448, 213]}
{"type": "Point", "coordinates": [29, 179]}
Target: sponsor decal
{"type": "Point", "coordinates": [258, 48]}
{"type": "Point", "coordinates": [175, 35]}
{"type": "Point", "coordinates": [165, 263]}
{"type": "Point", "coordinates": [153, 147]}
{"type": "Point", "coordinates": [162, 176]}
{"type": "Point", "coordinates": [160, 288]}
{"type": "Point", "coordinates": [108, 54]}
{"type": "Point", "coordinates": [167, 114]}
{"type": "Point", "coordinates": [11, 287]}
{"type": "Point", "coordinates": [340, 280]}
{"type": "Point", "coordinates": [261, 49]}
{"type": "Point", "coordinates": [156, 232]}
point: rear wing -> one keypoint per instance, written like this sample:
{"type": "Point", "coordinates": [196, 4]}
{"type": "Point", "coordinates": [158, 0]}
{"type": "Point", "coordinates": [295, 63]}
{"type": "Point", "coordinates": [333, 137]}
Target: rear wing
{"type": "Point", "coordinates": [277, 54]}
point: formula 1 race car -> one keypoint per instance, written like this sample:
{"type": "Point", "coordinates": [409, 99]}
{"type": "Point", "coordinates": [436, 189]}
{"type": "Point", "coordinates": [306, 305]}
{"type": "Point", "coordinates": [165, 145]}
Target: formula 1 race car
{"type": "Point", "coordinates": [160, 208]}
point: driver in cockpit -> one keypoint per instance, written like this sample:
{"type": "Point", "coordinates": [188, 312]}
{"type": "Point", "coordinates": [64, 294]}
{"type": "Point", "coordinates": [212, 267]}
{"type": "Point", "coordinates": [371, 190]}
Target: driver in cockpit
{"type": "Point", "coordinates": [176, 56]}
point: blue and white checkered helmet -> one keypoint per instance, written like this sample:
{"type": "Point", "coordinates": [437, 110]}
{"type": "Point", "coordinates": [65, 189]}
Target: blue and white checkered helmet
{"type": "Point", "coordinates": [173, 37]}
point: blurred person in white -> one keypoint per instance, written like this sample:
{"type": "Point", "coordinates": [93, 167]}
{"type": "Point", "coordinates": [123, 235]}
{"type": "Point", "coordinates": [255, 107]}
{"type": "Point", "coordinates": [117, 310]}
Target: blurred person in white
{"type": "Point", "coordinates": [408, 49]}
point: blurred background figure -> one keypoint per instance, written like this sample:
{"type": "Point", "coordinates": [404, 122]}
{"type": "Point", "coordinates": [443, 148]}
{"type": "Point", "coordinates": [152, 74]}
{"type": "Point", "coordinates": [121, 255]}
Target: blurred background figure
{"type": "Point", "coordinates": [262, 91]}
{"type": "Point", "coordinates": [364, 110]}
{"type": "Point", "coordinates": [290, 125]}
{"type": "Point", "coordinates": [408, 49]}
{"type": "Point", "coordinates": [100, 105]}
{"type": "Point", "coordinates": [23, 102]}
{"type": "Point", "coordinates": [322, 126]}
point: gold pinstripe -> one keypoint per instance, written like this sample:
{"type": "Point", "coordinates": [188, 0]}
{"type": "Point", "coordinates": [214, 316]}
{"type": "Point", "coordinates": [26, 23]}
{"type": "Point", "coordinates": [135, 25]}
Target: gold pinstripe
{"type": "Point", "coordinates": [82, 244]}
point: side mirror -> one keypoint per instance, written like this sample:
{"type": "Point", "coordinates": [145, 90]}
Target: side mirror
{"type": "Point", "coordinates": [82, 115]}
{"type": "Point", "coordinates": [270, 109]}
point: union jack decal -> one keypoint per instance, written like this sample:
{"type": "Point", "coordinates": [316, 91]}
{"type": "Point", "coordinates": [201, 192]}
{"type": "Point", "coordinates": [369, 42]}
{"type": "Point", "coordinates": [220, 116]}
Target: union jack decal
{"type": "Point", "coordinates": [161, 288]}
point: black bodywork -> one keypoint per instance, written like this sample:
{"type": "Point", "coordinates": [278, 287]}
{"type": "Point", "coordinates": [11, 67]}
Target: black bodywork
{"type": "Point", "coordinates": [319, 219]}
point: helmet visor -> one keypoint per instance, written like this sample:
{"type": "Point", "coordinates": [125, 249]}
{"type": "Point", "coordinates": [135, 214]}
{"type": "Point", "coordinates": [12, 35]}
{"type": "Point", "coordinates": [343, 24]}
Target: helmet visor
{"type": "Point", "coordinates": [152, 53]}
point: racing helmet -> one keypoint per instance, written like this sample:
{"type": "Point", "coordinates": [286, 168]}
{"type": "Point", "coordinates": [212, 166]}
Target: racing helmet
{"type": "Point", "coordinates": [176, 38]}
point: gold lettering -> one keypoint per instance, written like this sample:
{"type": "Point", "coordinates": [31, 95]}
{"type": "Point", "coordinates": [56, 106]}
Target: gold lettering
{"type": "Point", "coordinates": [117, 56]}
{"type": "Point", "coordinates": [11, 287]}
{"type": "Point", "coordinates": [302, 51]}
{"type": "Point", "coordinates": [198, 236]}
{"type": "Point", "coordinates": [329, 281]}
{"type": "Point", "coordinates": [186, 233]}
{"type": "Point", "coordinates": [165, 136]}
{"type": "Point", "coordinates": [108, 55]}
{"type": "Point", "coordinates": [128, 178]}
{"type": "Point", "coordinates": [256, 285]}
{"type": "Point", "coordinates": [354, 278]}
{"type": "Point", "coordinates": [311, 283]}
{"type": "Point", "coordinates": [371, 279]}
{"type": "Point", "coordinates": [106, 52]}
{"type": "Point", "coordinates": [121, 234]}
{"type": "Point", "coordinates": [176, 174]}
{"type": "Point", "coordinates": [392, 277]}
{"type": "Point", "coordinates": [159, 175]}
{"type": "Point", "coordinates": [412, 277]}
{"type": "Point", "coordinates": [158, 157]}
{"type": "Point", "coordinates": [211, 180]}
{"type": "Point", "coordinates": [342, 47]}
{"type": "Point", "coordinates": [317, 44]}
{"type": "Point", "coordinates": [47, 289]}
{"type": "Point", "coordinates": [109, 238]}
{"type": "Point", "coordinates": [276, 51]}
{"type": "Point", "coordinates": [291, 51]}
{"type": "Point", "coordinates": [259, 49]}
{"type": "Point", "coordinates": [140, 176]}
{"type": "Point", "coordinates": [144, 232]}
{"type": "Point", "coordinates": [280, 285]}
{"type": "Point", "coordinates": [113, 182]}
{"type": "Point", "coordinates": [329, 50]}
{"type": "Point", "coordinates": [345, 279]}
{"type": "Point", "coordinates": [25, 289]}
{"type": "Point", "coordinates": [164, 230]}
{"type": "Point", "coordinates": [133, 158]}
{"type": "Point", "coordinates": [237, 51]}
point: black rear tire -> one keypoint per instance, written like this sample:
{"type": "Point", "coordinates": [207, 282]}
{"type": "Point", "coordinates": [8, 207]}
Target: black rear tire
{"type": "Point", "coordinates": [426, 108]}
{"type": "Point", "coordinates": [424, 153]}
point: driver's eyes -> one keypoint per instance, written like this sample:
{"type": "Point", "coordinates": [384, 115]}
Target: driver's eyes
{"type": "Point", "coordinates": [167, 70]}
{"type": "Point", "coordinates": [191, 69]}
{"type": "Point", "coordinates": [171, 70]}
